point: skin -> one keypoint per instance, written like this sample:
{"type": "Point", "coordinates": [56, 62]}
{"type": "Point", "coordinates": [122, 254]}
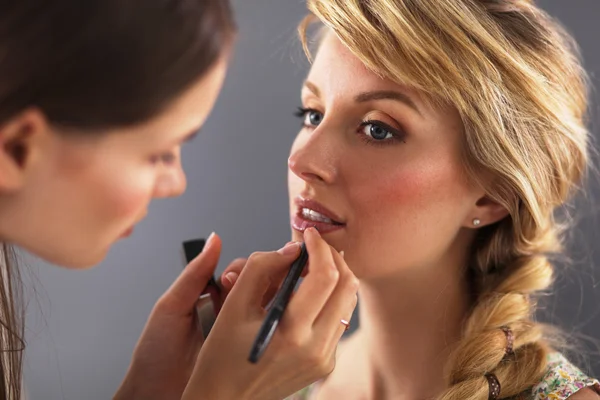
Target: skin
{"type": "Point", "coordinates": [90, 189]}
{"type": "Point", "coordinates": [408, 210]}
{"type": "Point", "coordinates": [69, 196]}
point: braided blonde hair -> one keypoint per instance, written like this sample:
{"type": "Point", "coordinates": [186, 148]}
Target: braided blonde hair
{"type": "Point", "coordinates": [515, 77]}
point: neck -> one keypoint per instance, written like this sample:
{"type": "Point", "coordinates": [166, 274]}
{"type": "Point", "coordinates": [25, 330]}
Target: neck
{"type": "Point", "coordinates": [408, 326]}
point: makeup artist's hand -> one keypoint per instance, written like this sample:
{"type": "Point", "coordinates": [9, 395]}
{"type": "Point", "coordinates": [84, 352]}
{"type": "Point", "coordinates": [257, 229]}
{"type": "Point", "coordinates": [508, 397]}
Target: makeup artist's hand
{"type": "Point", "coordinates": [166, 352]}
{"type": "Point", "coordinates": [303, 346]}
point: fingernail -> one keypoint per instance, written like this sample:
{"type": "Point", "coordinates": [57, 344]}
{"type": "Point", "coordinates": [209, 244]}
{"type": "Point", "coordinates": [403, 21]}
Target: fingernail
{"type": "Point", "coordinates": [289, 249]}
{"type": "Point", "coordinates": [342, 253]}
{"type": "Point", "coordinates": [314, 231]}
{"type": "Point", "coordinates": [231, 277]}
{"type": "Point", "coordinates": [210, 239]}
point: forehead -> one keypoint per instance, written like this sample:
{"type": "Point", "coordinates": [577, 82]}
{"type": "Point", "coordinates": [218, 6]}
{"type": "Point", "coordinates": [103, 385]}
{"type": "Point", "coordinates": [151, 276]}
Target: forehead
{"type": "Point", "coordinates": [336, 66]}
{"type": "Point", "coordinates": [339, 74]}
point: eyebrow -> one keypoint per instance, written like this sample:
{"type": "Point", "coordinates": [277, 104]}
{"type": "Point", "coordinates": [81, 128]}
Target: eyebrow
{"type": "Point", "coordinates": [387, 95]}
{"type": "Point", "coordinates": [190, 136]}
{"type": "Point", "coordinates": [372, 96]}
{"type": "Point", "coordinates": [313, 88]}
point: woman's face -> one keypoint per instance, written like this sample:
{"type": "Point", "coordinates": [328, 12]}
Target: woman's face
{"type": "Point", "coordinates": [374, 158]}
{"type": "Point", "coordinates": [80, 194]}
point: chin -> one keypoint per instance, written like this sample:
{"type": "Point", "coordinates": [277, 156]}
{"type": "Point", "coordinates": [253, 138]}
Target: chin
{"type": "Point", "coordinates": [78, 255]}
{"type": "Point", "coordinates": [77, 264]}
{"type": "Point", "coordinates": [77, 260]}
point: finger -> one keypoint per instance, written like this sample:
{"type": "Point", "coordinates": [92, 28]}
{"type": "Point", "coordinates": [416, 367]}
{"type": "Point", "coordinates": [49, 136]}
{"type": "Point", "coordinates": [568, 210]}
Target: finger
{"type": "Point", "coordinates": [186, 289]}
{"type": "Point", "coordinates": [278, 280]}
{"type": "Point", "coordinates": [275, 285]}
{"type": "Point", "coordinates": [231, 274]}
{"type": "Point", "coordinates": [260, 273]}
{"type": "Point", "coordinates": [318, 284]}
{"type": "Point", "coordinates": [305, 270]}
{"type": "Point", "coordinates": [341, 304]}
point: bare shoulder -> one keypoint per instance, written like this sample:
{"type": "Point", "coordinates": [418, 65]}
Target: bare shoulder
{"type": "Point", "coordinates": [585, 394]}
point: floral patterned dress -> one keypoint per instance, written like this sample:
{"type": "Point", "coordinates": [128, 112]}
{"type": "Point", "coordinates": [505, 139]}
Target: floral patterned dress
{"type": "Point", "coordinates": [563, 379]}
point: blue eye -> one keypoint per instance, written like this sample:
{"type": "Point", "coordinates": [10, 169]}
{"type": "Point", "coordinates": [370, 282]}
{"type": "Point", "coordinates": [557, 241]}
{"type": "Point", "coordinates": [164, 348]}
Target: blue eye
{"type": "Point", "coordinates": [310, 117]}
{"type": "Point", "coordinates": [377, 132]}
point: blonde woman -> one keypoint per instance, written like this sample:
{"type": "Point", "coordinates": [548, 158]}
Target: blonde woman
{"type": "Point", "coordinates": [438, 139]}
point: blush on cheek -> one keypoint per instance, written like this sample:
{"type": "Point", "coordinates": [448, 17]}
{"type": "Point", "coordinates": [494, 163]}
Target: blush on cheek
{"type": "Point", "coordinates": [414, 197]}
{"type": "Point", "coordinates": [404, 217]}
{"type": "Point", "coordinates": [407, 188]}
{"type": "Point", "coordinates": [422, 185]}
{"type": "Point", "coordinates": [122, 203]}
{"type": "Point", "coordinates": [129, 203]}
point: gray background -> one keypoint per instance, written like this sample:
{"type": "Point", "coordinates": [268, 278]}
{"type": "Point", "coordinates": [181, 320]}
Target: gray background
{"type": "Point", "coordinates": [82, 326]}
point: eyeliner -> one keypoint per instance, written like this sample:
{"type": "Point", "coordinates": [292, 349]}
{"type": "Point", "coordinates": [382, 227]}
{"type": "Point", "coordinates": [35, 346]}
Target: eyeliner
{"type": "Point", "coordinates": [282, 298]}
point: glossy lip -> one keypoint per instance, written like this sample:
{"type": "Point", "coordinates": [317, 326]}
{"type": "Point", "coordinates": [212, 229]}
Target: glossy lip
{"type": "Point", "coordinates": [318, 207]}
{"type": "Point", "coordinates": [300, 224]}
{"type": "Point", "coordinates": [127, 233]}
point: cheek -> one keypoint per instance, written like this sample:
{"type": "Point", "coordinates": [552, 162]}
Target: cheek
{"type": "Point", "coordinates": [113, 185]}
{"type": "Point", "coordinates": [414, 187]}
{"type": "Point", "coordinates": [120, 195]}
{"type": "Point", "coordinates": [408, 213]}
{"type": "Point", "coordinates": [409, 198]}
{"type": "Point", "coordinates": [127, 196]}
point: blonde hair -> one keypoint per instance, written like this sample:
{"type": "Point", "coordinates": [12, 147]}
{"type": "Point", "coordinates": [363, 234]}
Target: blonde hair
{"type": "Point", "coordinates": [515, 77]}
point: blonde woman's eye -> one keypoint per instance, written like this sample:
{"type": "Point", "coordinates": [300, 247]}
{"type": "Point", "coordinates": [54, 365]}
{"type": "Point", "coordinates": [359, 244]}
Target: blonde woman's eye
{"type": "Point", "coordinates": [377, 132]}
{"type": "Point", "coordinates": [310, 117]}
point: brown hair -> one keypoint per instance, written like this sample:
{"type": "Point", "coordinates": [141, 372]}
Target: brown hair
{"type": "Point", "coordinates": [92, 65]}
{"type": "Point", "coordinates": [515, 77]}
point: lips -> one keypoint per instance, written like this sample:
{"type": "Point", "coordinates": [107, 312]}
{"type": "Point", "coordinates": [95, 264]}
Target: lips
{"type": "Point", "coordinates": [130, 230]}
{"type": "Point", "coordinates": [127, 233]}
{"type": "Point", "coordinates": [310, 213]}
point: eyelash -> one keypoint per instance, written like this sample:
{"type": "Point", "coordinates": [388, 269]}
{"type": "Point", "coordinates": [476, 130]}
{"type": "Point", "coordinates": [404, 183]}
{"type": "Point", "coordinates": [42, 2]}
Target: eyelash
{"type": "Point", "coordinates": [166, 158]}
{"type": "Point", "coordinates": [397, 135]}
{"type": "Point", "coordinates": [169, 157]}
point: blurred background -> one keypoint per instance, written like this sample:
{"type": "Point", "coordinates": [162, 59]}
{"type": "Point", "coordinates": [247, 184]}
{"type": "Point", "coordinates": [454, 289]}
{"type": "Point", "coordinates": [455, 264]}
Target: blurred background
{"type": "Point", "coordinates": [82, 326]}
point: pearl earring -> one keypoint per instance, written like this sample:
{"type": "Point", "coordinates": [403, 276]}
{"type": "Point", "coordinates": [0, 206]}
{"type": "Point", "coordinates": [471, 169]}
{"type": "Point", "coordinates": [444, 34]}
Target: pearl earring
{"type": "Point", "coordinates": [476, 222]}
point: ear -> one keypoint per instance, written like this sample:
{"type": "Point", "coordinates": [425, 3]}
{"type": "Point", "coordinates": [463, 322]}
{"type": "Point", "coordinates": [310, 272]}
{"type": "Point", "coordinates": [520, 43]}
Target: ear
{"type": "Point", "coordinates": [486, 212]}
{"type": "Point", "coordinates": [20, 141]}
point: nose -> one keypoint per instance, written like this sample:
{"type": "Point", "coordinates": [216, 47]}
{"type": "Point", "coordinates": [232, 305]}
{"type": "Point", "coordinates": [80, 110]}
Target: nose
{"type": "Point", "coordinates": [313, 157]}
{"type": "Point", "coordinates": [171, 180]}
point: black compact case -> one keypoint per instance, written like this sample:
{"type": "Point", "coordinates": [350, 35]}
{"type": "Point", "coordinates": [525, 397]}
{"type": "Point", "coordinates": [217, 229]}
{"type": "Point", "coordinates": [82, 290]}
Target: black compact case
{"type": "Point", "coordinates": [209, 302]}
